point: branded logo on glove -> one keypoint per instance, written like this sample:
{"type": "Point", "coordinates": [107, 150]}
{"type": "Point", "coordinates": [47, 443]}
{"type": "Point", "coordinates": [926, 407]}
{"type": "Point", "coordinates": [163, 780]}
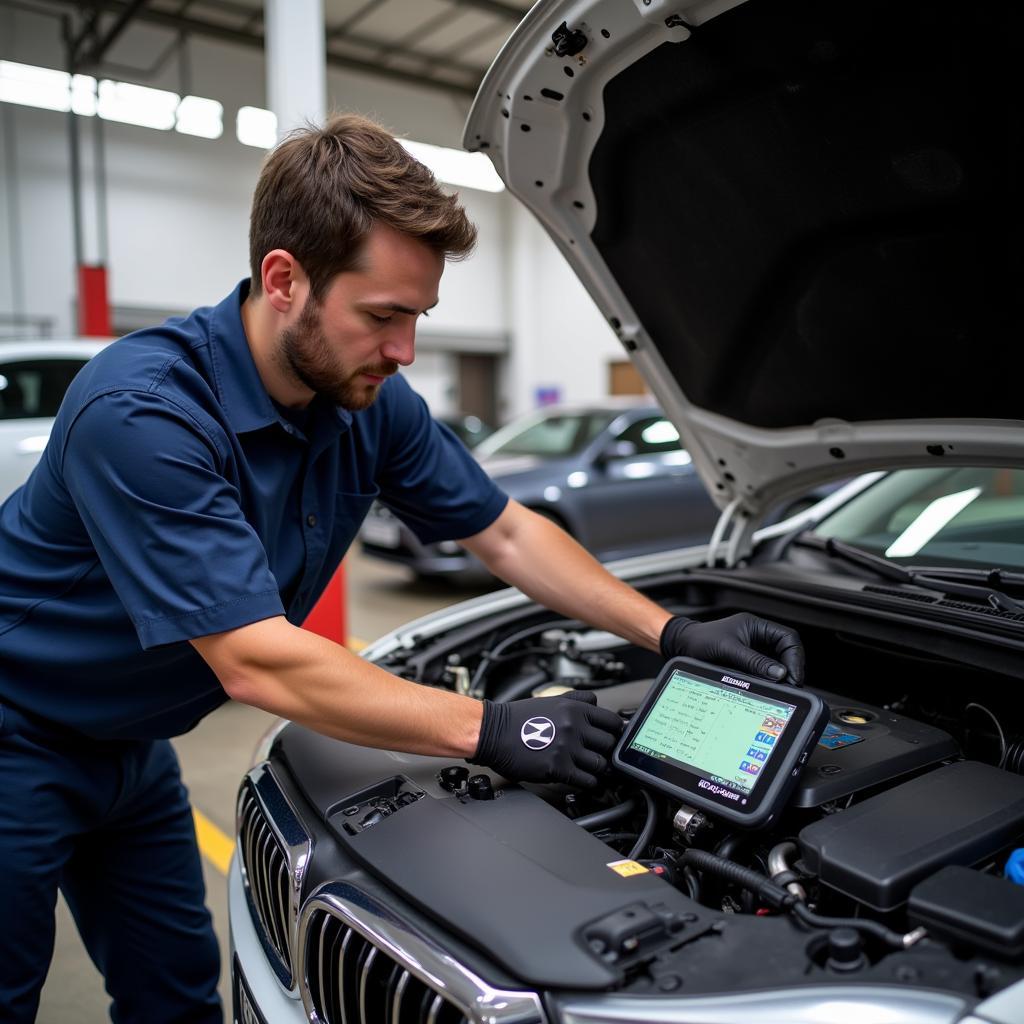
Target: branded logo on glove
{"type": "Point", "coordinates": [537, 733]}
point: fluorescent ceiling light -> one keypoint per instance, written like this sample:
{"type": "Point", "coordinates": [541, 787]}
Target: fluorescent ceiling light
{"type": "Point", "coordinates": [255, 126]}
{"type": "Point", "coordinates": [50, 89]}
{"type": "Point", "coordinates": [34, 87]}
{"type": "Point", "coordinates": [83, 95]}
{"type": "Point", "coordinates": [138, 104]}
{"type": "Point", "coordinates": [258, 127]}
{"type": "Point", "coordinates": [934, 517]}
{"type": "Point", "coordinates": [455, 167]}
{"type": "Point", "coordinates": [202, 117]}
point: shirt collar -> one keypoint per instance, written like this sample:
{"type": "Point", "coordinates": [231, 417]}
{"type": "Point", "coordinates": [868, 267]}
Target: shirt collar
{"type": "Point", "coordinates": [240, 389]}
{"type": "Point", "coordinates": [239, 386]}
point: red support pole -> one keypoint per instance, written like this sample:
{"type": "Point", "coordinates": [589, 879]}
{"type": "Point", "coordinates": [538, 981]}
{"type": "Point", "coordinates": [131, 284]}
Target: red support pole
{"type": "Point", "coordinates": [93, 303]}
{"type": "Point", "coordinates": [328, 615]}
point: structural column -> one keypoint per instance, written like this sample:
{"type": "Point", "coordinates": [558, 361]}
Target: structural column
{"type": "Point", "coordinates": [297, 94]}
{"type": "Point", "coordinates": [296, 62]}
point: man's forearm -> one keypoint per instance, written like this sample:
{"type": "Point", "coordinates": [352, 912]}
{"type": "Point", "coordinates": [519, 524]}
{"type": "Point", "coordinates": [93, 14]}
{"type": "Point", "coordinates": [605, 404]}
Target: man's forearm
{"type": "Point", "coordinates": [545, 563]}
{"type": "Point", "coordinates": [308, 679]}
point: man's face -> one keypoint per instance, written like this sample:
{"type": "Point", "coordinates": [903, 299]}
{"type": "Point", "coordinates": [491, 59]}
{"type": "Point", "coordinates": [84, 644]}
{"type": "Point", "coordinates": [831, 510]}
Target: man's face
{"type": "Point", "coordinates": [347, 346]}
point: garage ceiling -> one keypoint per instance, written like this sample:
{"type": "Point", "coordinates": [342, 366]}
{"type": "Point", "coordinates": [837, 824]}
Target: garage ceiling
{"type": "Point", "coordinates": [444, 44]}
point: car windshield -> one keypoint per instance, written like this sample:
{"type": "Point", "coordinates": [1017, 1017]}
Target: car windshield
{"type": "Point", "coordinates": [547, 434]}
{"type": "Point", "coordinates": [943, 516]}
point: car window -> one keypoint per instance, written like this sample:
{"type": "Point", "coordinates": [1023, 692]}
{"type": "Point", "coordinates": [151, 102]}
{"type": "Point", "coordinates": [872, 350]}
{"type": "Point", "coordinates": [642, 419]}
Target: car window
{"type": "Point", "coordinates": [651, 435]}
{"type": "Point", "coordinates": [950, 516]}
{"type": "Point", "coordinates": [35, 387]}
{"type": "Point", "coordinates": [546, 434]}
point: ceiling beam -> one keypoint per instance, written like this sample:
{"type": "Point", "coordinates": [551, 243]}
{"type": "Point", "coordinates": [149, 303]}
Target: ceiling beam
{"type": "Point", "coordinates": [354, 18]}
{"type": "Point", "coordinates": [503, 10]}
{"type": "Point", "coordinates": [254, 39]}
{"type": "Point", "coordinates": [102, 43]}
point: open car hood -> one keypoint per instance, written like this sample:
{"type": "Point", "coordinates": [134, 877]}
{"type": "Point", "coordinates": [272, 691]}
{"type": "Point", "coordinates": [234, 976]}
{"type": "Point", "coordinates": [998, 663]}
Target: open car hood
{"type": "Point", "coordinates": [797, 217]}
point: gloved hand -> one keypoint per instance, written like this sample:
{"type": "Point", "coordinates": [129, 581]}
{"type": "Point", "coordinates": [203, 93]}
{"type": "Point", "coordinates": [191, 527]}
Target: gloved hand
{"type": "Point", "coordinates": [742, 641]}
{"type": "Point", "coordinates": [548, 739]}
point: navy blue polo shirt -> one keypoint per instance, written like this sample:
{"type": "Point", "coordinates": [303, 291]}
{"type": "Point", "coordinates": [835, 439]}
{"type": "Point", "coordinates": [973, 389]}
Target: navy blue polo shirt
{"type": "Point", "coordinates": [175, 500]}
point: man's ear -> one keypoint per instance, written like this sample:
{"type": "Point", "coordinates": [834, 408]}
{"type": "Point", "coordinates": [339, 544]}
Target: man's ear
{"type": "Point", "coordinates": [284, 282]}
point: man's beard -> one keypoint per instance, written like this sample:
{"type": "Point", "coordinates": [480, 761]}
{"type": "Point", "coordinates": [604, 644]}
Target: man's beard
{"type": "Point", "coordinates": [306, 355]}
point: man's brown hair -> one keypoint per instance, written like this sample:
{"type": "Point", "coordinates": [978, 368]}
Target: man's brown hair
{"type": "Point", "coordinates": [322, 189]}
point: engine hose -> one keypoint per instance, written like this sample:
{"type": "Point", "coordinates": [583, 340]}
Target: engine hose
{"type": "Point", "coordinates": [648, 831]}
{"type": "Point", "coordinates": [608, 815]}
{"type": "Point", "coordinates": [522, 686]}
{"type": "Point", "coordinates": [765, 888]}
{"type": "Point", "coordinates": [778, 898]}
{"type": "Point", "coordinates": [729, 846]}
{"type": "Point", "coordinates": [885, 935]}
{"type": "Point", "coordinates": [615, 837]}
{"type": "Point", "coordinates": [780, 871]}
{"type": "Point", "coordinates": [500, 648]}
{"type": "Point", "coordinates": [693, 888]}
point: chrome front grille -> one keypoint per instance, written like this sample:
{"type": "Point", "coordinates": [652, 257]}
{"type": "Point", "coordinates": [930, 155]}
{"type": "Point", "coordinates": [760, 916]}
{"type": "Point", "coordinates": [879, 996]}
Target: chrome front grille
{"type": "Point", "coordinates": [360, 964]}
{"type": "Point", "coordinates": [351, 981]}
{"type": "Point", "coordinates": [274, 850]}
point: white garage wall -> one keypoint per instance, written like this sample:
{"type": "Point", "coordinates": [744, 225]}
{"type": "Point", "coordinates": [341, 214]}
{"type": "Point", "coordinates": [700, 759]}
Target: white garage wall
{"type": "Point", "coordinates": [563, 340]}
{"type": "Point", "coordinates": [178, 215]}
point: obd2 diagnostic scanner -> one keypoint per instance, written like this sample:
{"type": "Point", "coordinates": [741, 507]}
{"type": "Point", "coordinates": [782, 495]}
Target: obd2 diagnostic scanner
{"type": "Point", "coordinates": [721, 741]}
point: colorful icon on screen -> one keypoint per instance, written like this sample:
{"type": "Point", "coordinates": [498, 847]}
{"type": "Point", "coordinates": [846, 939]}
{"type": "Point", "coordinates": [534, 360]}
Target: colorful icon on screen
{"type": "Point", "coordinates": [749, 768]}
{"type": "Point", "coordinates": [766, 738]}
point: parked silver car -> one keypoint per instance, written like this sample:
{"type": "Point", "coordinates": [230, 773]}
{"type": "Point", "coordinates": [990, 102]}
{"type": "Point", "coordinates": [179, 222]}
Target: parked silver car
{"type": "Point", "coordinates": [33, 378]}
{"type": "Point", "coordinates": [612, 473]}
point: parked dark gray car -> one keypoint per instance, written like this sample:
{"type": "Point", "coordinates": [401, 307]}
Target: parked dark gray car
{"type": "Point", "coordinates": [614, 474]}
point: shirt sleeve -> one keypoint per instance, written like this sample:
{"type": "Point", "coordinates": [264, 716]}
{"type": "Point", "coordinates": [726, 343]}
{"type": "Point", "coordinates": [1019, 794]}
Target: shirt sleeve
{"type": "Point", "coordinates": [153, 492]}
{"type": "Point", "coordinates": [429, 479]}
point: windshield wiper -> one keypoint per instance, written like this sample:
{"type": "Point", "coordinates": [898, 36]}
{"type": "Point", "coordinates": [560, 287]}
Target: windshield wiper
{"type": "Point", "coordinates": [928, 581]}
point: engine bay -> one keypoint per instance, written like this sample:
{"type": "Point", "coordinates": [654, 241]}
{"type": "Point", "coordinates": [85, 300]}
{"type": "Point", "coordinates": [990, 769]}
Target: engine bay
{"type": "Point", "coordinates": [889, 861]}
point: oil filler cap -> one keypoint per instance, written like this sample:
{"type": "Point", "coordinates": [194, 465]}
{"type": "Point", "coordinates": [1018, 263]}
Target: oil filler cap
{"type": "Point", "coordinates": [479, 787]}
{"type": "Point", "coordinates": [844, 950]}
{"type": "Point", "coordinates": [453, 778]}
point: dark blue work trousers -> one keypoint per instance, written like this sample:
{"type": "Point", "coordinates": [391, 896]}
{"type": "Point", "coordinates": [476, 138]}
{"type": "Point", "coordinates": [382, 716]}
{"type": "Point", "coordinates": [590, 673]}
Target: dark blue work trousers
{"type": "Point", "coordinates": [110, 825]}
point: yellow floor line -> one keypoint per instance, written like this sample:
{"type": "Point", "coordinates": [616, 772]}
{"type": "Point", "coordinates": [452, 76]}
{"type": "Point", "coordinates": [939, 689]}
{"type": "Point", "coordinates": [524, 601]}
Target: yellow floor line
{"type": "Point", "coordinates": [214, 845]}
{"type": "Point", "coordinates": [355, 644]}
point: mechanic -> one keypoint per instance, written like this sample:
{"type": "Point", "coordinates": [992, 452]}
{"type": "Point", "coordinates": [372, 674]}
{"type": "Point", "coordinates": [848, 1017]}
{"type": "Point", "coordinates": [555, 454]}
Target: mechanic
{"type": "Point", "coordinates": [202, 482]}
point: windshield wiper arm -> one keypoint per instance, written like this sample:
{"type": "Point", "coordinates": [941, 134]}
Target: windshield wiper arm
{"type": "Point", "coordinates": [892, 571]}
{"type": "Point", "coordinates": [997, 579]}
{"type": "Point", "coordinates": [882, 566]}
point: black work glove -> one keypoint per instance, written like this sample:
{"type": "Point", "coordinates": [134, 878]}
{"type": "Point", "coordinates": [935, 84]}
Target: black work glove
{"type": "Point", "coordinates": [548, 739]}
{"type": "Point", "coordinates": [742, 641]}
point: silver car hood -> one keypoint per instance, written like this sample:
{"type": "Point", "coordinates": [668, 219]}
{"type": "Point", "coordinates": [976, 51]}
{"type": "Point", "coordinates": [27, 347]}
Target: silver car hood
{"type": "Point", "coordinates": [794, 215]}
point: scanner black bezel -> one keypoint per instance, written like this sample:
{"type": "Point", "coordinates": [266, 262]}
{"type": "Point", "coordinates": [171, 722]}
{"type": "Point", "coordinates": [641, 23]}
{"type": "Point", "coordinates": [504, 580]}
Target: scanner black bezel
{"type": "Point", "coordinates": [782, 769]}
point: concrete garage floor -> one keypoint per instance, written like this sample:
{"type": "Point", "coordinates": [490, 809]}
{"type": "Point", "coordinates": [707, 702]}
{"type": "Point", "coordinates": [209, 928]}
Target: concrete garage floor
{"type": "Point", "coordinates": [214, 756]}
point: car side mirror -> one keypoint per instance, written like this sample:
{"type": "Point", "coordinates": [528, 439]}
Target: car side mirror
{"type": "Point", "coordinates": [616, 450]}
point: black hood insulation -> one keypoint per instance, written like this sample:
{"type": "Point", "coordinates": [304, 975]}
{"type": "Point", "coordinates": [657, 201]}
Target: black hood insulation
{"type": "Point", "coordinates": [814, 209]}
